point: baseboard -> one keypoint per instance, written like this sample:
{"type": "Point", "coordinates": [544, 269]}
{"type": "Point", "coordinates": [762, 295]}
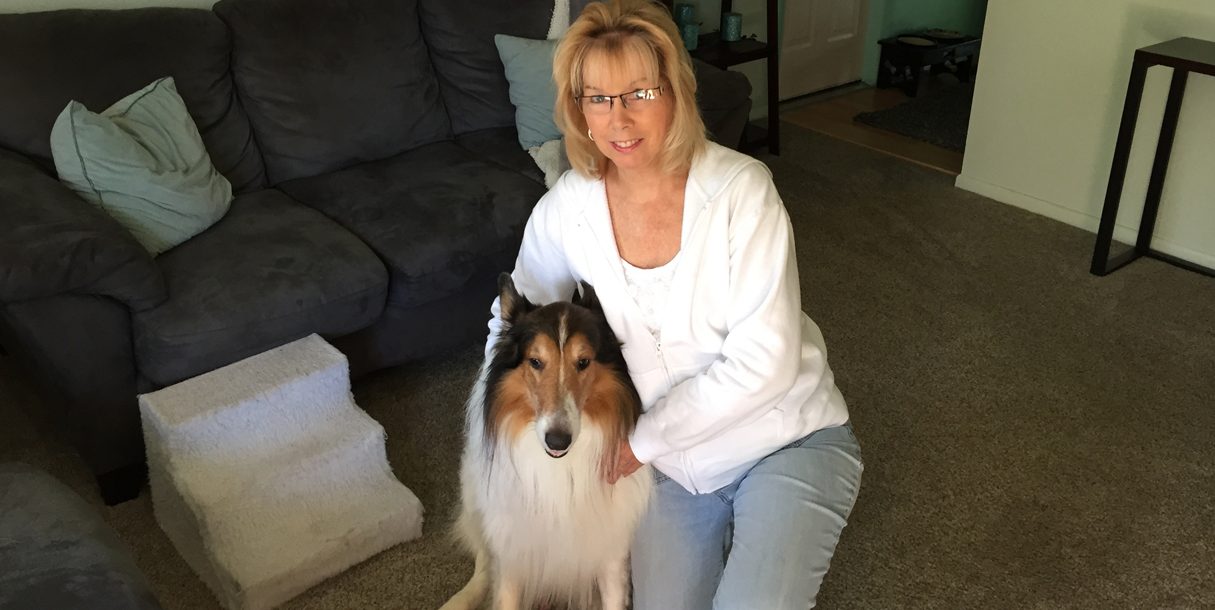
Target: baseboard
{"type": "Point", "coordinates": [1054, 211]}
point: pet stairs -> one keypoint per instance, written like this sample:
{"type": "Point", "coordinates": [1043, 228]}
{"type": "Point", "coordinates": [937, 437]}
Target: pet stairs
{"type": "Point", "coordinates": [268, 478]}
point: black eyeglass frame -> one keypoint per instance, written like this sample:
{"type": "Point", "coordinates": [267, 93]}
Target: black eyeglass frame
{"type": "Point", "coordinates": [653, 93]}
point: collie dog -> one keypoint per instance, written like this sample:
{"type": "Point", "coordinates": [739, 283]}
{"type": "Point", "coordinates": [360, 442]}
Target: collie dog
{"type": "Point", "coordinates": [542, 426]}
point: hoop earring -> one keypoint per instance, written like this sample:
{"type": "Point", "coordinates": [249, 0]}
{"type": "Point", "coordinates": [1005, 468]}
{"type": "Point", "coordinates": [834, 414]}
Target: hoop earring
{"type": "Point", "coordinates": [588, 134]}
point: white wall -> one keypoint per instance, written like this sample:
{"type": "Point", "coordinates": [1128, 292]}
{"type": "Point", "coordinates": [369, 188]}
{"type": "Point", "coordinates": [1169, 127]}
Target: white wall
{"type": "Point", "coordinates": [1051, 84]}
{"type": "Point", "coordinates": [28, 6]}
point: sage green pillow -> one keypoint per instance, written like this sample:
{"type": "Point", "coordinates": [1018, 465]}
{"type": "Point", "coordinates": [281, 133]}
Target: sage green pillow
{"type": "Point", "coordinates": [143, 161]}
{"type": "Point", "coordinates": [529, 74]}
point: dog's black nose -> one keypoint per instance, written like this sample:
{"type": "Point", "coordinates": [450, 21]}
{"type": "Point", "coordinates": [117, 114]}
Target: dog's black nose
{"type": "Point", "coordinates": [557, 441]}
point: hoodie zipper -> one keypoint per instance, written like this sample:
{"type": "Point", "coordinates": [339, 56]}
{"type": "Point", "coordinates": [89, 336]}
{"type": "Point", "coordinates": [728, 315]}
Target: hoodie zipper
{"type": "Point", "coordinates": [683, 458]}
{"type": "Point", "coordinates": [662, 361]}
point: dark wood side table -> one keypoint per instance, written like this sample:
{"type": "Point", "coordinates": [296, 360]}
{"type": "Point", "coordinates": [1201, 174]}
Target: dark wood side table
{"type": "Point", "coordinates": [712, 50]}
{"type": "Point", "coordinates": [1183, 55]}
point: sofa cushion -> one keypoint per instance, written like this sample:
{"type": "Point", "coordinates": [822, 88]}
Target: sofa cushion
{"type": "Point", "coordinates": [98, 56]}
{"type": "Point", "coordinates": [270, 272]}
{"type": "Point", "coordinates": [331, 83]}
{"type": "Point", "coordinates": [501, 146]}
{"type": "Point", "coordinates": [460, 36]}
{"type": "Point", "coordinates": [433, 214]}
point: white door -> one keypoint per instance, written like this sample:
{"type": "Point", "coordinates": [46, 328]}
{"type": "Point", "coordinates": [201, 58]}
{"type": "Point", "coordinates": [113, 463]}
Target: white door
{"type": "Point", "coordinates": [822, 45]}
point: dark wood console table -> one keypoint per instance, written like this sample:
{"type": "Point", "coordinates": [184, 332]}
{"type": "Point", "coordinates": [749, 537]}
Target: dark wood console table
{"type": "Point", "coordinates": [1183, 55]}
{"type": "Point", "coordinates": [712, 50]}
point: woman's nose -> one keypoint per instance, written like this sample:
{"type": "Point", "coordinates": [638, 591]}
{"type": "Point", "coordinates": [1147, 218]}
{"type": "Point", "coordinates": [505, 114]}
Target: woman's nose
{"type": "Point", "coordinates": [619, 115]}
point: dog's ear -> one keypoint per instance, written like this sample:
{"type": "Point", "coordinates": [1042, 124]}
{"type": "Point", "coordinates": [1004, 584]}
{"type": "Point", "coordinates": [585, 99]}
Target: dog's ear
{"type": "Point", "coordinates": [511, 303]}
{"type": "Point", "coordinates": [587, 298]}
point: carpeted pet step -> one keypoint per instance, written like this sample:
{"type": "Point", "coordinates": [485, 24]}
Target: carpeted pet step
{"type": "Point", "coordinates": [258, 406]}
{"type": "Point", "coordinates": [262, 522]}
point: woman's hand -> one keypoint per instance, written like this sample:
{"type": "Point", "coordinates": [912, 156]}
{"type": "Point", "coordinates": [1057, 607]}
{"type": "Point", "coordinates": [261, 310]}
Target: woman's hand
{"type": "Point", "coordinates": [626, 463]}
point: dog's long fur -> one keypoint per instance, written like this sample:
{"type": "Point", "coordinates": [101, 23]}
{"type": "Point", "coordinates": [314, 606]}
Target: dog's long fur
{"type": "Point", "coordinates": [543, 524]}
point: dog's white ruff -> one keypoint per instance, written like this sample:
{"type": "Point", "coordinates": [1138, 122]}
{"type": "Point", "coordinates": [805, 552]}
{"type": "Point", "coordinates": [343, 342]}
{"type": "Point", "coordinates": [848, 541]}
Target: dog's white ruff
{"type": "Point", "coordinates": [268, 478]}
{"type": "Point", "coordinates": [550, 524]}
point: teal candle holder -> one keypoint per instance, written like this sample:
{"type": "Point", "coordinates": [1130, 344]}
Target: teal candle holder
{"type": "Point", "coordinates": [731, 27]}
{"type": "Point", "coordinates": [684, 13]}
{"type": "Point", "coordinates": [691, 35]}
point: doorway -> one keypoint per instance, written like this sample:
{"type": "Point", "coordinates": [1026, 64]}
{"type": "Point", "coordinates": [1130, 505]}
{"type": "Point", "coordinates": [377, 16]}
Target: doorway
{"type": "Point", "coordinates": [822, 45]}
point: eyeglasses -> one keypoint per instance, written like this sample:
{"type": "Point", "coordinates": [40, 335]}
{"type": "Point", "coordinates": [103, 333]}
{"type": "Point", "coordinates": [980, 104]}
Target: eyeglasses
{"type": "Point", "coordinates": [602, 104]}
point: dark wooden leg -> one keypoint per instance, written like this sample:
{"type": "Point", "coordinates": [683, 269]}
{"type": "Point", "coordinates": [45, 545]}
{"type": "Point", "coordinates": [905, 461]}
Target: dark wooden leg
{"type": "Point", "coordinates": [966, 69]}
{"type": "Point", "coordinates": [915, 76]}
{"type": "Point", "coordinates": [886, 69]}
{"type": "Point", "coordinates": [924, 79]}
{"type": "Point", "coordinates": [1164, 149]}
{"type": "Point", "coordinates": [773, 86]}
{"type": "Point", "coordinates": [118, 486]}
{"type": "Point", "coordinates": [1101, 264]}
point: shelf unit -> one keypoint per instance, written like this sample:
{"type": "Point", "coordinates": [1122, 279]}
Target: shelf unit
{"type": "Point", "coordinates": [712, 50]}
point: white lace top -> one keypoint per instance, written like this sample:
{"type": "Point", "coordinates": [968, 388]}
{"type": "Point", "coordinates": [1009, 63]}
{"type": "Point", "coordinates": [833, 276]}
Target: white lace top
{"type": "Point", "coordinates": [649, 288]}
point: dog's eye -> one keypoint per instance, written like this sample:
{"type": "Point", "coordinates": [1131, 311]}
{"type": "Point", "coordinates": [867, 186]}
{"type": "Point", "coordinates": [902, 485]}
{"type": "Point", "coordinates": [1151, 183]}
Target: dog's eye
{"type": "Point", "coordinates": [582, 364]}
{"type": "Point", "coordinates": [535, 362]}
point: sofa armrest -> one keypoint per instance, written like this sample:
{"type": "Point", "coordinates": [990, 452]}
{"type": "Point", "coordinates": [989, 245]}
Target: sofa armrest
{"type": "Point", "coordinates": [59, 550]}
{"type": "Point", "coordinates": [724, 98]}
{"type": "Point", "coordinates": [78, 350]}
{"type": "Point", "coordinates": [53, 242]}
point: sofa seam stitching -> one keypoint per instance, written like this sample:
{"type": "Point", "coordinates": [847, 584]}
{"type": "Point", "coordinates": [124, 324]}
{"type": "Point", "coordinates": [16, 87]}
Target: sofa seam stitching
{"type": "Point", "coordinates": [351, 296]}
{"type": "Point", "coordinates": [80, 157]}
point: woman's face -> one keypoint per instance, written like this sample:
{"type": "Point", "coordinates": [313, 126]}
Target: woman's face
{"type": "Point", "coordinates": [631, 137]}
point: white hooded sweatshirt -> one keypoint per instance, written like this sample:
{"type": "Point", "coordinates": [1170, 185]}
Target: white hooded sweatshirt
{"type": "Point", "coordinates": [736, 369]}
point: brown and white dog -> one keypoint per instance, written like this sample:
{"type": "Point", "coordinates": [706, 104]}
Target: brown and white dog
{"type": "Point", "coordinates": [548, 410]}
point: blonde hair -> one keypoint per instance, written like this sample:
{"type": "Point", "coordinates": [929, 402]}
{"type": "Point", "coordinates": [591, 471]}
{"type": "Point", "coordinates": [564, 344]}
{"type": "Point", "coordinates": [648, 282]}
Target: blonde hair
{"type": "Point", "coordinates": [621, 30]}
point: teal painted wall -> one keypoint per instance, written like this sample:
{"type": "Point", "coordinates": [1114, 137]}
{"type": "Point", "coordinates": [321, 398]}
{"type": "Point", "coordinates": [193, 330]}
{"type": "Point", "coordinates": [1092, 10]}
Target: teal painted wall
{"type": "Point", "coordinates": [963, 15]}
{"type": "Point", "coordinates": [890, 17]}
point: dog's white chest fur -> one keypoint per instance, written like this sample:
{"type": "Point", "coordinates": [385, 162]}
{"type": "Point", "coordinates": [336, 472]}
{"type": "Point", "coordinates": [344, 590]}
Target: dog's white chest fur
{"type": "Point", "coordinates": [553, 523]}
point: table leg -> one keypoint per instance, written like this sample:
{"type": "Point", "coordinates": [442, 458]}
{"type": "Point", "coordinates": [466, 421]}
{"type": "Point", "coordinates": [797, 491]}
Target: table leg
{"type": "Point", "coordinates": [1101, 264]}
{"type": "Point", "coordinates": [914, 73]}
{"type": "Point", "coordinates": [1164, 149]}
{"type": "Point", "coordinates": [773, 88]}
{"type": "Point", "coordinates": [966, 69]}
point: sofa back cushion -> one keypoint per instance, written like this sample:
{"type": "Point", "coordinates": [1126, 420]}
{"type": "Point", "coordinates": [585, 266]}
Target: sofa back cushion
{"type": "Point", "coordinates": [331, 83]}
{"type": "Point", "coordinates": [460, 35]}
{"type": "Point", "coordinates": [97, 57]}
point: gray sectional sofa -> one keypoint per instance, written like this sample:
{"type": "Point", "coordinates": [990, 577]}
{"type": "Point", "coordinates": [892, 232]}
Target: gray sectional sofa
{"type": "Point", "coordinates": [379, 189]}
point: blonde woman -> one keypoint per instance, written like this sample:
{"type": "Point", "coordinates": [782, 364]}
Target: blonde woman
{"type": "Point", "coordinates": [691, 252]}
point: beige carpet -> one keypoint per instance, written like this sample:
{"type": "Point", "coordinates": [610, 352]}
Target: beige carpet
{"type": "Point", "coordinates": [1034, 437]}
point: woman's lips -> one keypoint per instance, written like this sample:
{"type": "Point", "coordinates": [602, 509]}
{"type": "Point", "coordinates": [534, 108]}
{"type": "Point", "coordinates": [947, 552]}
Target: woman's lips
{"type": "Point", "coordinates": [626, 145]}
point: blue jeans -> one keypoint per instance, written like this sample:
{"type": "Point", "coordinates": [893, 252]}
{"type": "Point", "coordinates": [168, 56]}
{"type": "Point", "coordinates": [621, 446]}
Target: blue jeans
{"type": "Point", "coordinates": [764, 541]}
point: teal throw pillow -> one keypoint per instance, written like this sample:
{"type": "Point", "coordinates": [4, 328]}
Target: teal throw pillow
{"type": "Point", "coordinates": [143, 161]}
{"type": "Point", "coordinates": [529, 70]}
